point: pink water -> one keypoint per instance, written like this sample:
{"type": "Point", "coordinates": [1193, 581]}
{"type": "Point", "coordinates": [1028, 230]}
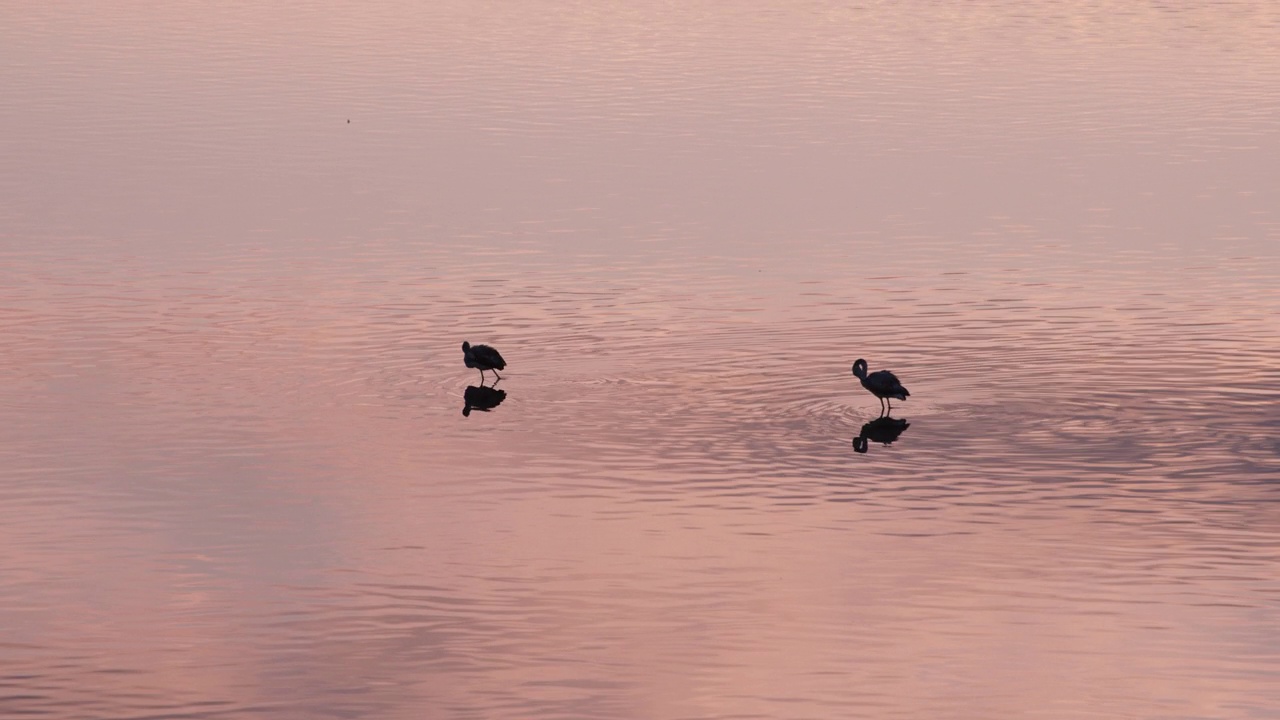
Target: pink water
{"type": "Point", "coordinates": [235, 476]}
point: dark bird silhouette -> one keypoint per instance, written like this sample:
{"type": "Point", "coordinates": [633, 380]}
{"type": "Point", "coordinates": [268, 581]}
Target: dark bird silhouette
{"type": "Point", "coordinates": [881, 383]}
{"type": "Point", "coordinates": [883, 430]}
{"type": "Point", "coordinates": [482, 357]}
{"type": "Point", "coordinates": [481, 398]}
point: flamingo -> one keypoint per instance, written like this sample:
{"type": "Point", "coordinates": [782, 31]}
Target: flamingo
{"type": "Point", "coordinates": [482, 357]}
{"type": "Point", "coordinates": [881, 383]}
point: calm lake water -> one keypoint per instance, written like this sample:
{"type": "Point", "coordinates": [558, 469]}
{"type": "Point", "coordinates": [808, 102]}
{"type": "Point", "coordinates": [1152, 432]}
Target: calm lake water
{"type": "Point", "coordinates": [242, 243]}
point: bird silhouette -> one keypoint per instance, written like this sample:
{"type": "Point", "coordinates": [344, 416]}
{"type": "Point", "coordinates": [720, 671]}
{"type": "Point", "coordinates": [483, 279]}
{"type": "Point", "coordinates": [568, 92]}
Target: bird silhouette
{"type": "Point", "coordinates": [883, 430]}
{"type": "Point", "coordinates": [482, 357]}
{"type": "Point", "coordinates": [881, 383]}
{"type": "Point", "coordinates": [481, 398]}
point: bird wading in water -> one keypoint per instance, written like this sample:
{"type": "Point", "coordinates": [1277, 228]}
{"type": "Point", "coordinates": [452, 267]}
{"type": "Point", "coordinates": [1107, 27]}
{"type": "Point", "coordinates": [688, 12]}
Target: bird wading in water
{"type": "Point", "coordinates": [482, 357]}
{"type": "Point", "coordinates": [881, 383]}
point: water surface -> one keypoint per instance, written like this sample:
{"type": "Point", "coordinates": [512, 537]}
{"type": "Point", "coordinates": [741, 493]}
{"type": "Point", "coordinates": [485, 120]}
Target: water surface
{"type": "Point", "coordinates": [238, 482]}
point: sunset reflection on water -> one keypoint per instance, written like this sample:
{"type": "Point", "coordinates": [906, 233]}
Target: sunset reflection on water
{"type": "Point", "coordinates": [239, 480]}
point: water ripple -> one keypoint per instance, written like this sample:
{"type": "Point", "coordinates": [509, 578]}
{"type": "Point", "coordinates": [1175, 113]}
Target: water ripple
{"type": "Point", "coordinates": [241, 246]}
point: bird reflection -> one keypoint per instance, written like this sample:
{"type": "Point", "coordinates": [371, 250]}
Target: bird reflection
{"type": "Point", "coordinates": [883, 430]}
{"type": "Point", "coordinates": [482, 398]}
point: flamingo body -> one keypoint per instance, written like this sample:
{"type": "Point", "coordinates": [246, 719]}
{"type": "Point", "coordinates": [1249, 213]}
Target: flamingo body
{"type": "Point", "coordinates": [482, 357]}
{"type": "Point", "coordinates": [881, 383]}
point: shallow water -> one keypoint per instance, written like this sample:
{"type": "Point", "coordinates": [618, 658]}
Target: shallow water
{"type": "Point", "coordinates": [237, 480]}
